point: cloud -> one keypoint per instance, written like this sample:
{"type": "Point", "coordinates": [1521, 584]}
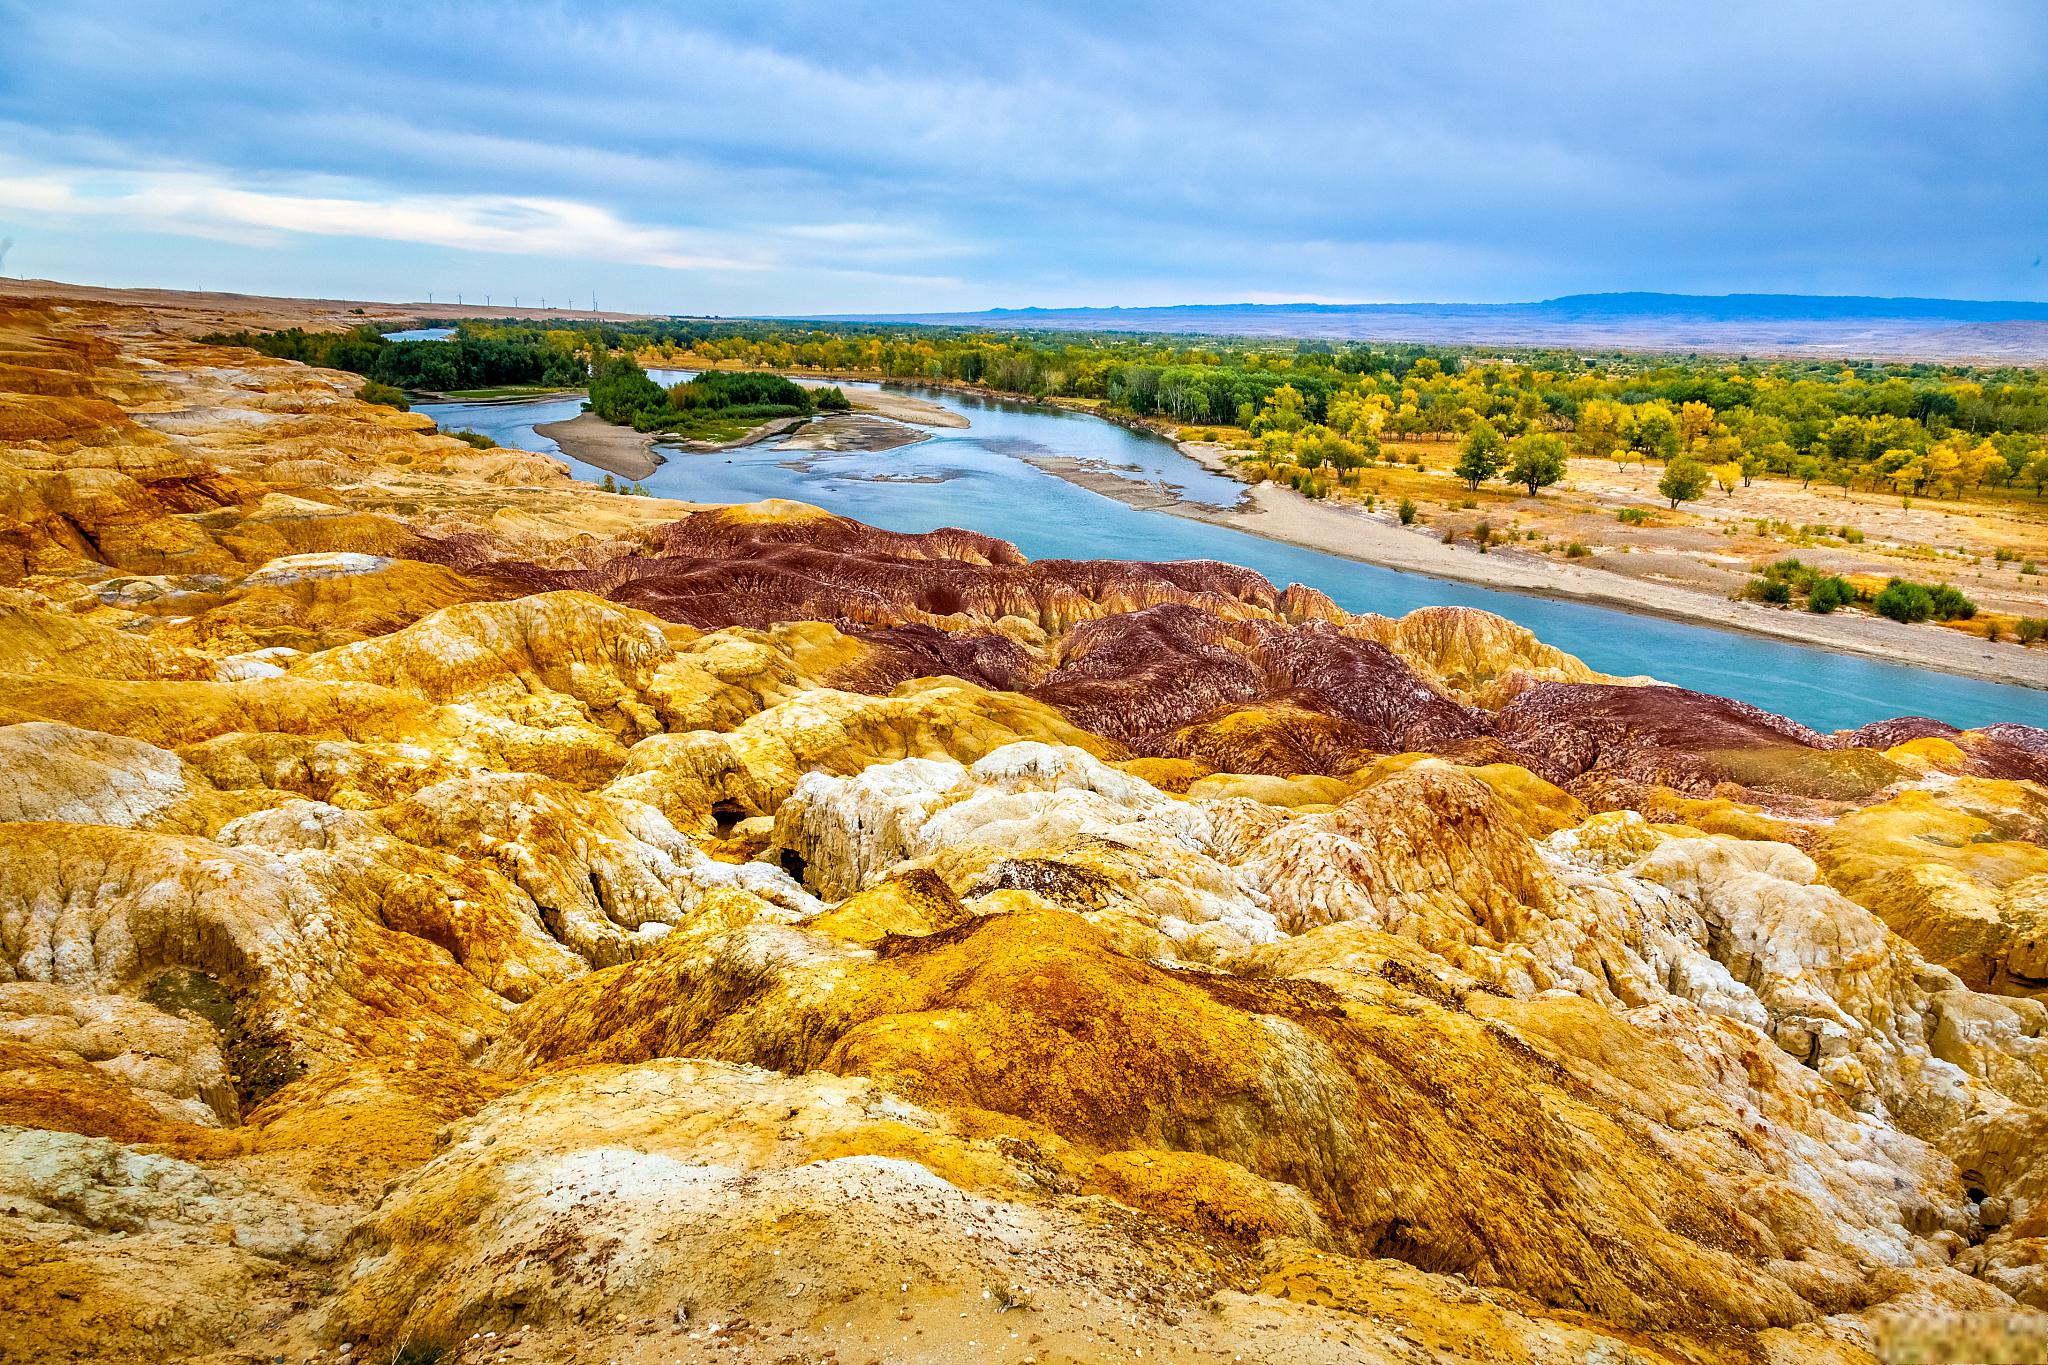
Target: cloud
{"type": "Point", "coordinates": [1061, 152]}
{"type": "Point", "coordinates": [206, 204]}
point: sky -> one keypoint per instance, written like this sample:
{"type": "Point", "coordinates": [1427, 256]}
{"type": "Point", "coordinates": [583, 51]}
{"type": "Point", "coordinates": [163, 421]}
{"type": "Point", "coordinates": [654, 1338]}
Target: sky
{"type": "Point", "coordinates": [800, 159]}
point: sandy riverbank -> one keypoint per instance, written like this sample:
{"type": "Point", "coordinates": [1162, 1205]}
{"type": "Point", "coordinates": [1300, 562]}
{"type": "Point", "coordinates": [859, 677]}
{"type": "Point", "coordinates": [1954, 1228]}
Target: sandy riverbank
{"type": "Point", "coordinates": [615, 449]}
{"type": "Point", "coordinates": [845, 431]}
{"type": "Point", "coordinates": [901, 407]}
{"type": "Point", "coordinates": [1283, 515]}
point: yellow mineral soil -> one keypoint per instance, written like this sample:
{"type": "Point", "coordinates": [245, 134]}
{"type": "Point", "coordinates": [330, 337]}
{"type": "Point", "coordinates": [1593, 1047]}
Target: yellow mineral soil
{"type": "Point", "coordinates": [411, 949]}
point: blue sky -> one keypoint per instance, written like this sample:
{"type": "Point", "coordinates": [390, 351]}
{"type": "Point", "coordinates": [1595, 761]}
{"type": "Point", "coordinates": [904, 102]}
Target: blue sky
{"type": "Point", "coordinates": [743, 158]}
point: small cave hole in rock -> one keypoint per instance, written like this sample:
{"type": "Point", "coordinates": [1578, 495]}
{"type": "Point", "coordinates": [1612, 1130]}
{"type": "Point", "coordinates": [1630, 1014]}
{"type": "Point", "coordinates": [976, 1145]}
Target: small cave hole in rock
{"type": "Point", "coordinates": [792, 863]}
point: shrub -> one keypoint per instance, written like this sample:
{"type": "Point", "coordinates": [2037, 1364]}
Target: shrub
{"type": "Point", "coordinates": [1482, 535]}
{"type": "Point", "coordinates": [2030, 567]}
{"type": "Point", "coordinates": [2003, 555]}
{"type": "Point", "coordinates": [475, 440]}
{"type": "Point", "coordinates": [1776, 591]}
{"type": "Point", "coordinates": [1829, 593]}
{"type": "Point", "coordinates": [383, 394]}
{"type": "Point", "coordinates": [1950, 604]}
{"type": "Point", "coordinates": [1903, 601]}
{"type": "Point", "coordinates": [1852, 535]}
{"type": "Point", "coordinates": [831, 400]}
{"type": "Point", "coordinates": [1407, 511]}
{"type": "Point", "coordinates": [2031, 629]}
{"type": "Point", "coordinates": [1577, 550]}
{"type": "Point", "coordinates": [1633, 516]}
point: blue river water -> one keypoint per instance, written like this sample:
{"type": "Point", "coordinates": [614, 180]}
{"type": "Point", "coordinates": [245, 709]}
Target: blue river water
{"type": "Point", "coordinates": [974, 477]}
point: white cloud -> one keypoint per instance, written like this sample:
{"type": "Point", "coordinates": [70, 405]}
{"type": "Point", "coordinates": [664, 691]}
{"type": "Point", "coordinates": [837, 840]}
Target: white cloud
{"type": "Point", "coordinates": [202, 203]}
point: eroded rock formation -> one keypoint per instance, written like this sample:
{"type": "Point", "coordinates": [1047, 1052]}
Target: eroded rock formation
{"type": "Point", "coordinates": [439, 900]}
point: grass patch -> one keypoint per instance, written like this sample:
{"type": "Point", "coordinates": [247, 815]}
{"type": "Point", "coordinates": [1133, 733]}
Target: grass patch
{"type": "Point", "coordinates": [504, 391]}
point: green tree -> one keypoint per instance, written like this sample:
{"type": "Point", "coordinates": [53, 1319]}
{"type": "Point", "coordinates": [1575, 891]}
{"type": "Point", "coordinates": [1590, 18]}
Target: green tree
{"type": "Point", "coordinates": [1597, 432]}
{"type": "Point", "coordinates": [1536, 461]}
{"type": "Point", "coordinates": [1654, 432]}
{"type": "Point", "coordinates": [1481, 457]}
{"type": "Point", "coordinates": [373, 392]}
{"type": "Point", "coordinates": [1684, 479]}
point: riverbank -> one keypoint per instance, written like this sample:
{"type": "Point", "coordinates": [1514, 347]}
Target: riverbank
{"type": "Point", "coordinates": [604, 445]}
{"type": "Point", "coordinates": [850, 431]}
{"type": "Point", "coordinates": [1280, 514]}
{"type": "Point", "coordinates": [898, 407]}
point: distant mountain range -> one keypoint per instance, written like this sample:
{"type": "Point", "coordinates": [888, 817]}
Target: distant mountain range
{"type": "Point", "coordinates": [1996, 331]}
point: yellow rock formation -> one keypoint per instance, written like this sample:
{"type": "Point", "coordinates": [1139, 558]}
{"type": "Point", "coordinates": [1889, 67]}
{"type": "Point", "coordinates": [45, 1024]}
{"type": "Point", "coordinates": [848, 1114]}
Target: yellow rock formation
{"type": "Point", "coordinates": [421, 919]}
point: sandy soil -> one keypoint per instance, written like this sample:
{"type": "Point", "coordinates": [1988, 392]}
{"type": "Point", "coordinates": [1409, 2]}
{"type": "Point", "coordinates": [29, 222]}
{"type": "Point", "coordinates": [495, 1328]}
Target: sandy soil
{"type": "Point", "coordinates": [901, 406]}
{"type": "Point", "coordinates": [1100, 478]}
{"type": "Point", "coordinates": [1378, 538]}
{"type": "Point", "coordinates": [853, 431]}
{"type": "Point", "coordinates": [618, 450]}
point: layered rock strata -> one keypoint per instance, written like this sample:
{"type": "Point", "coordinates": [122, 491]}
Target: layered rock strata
{"type": "Point", "coordinates": [452, 913]}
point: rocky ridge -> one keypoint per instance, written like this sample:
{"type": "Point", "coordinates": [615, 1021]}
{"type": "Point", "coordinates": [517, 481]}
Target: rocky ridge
{"type": "Point", "coordinates": [453, 913]}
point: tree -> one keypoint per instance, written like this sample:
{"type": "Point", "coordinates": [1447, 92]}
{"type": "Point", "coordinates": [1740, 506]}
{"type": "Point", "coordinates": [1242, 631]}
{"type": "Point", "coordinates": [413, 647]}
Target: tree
{"type": "Point", "coordinates": [1538, 461]}
{"type": "Point", "coordinates": [1481, 456]}
{"type": "Point", "coordinates": [1729, 476]}
{"type": "Point", "coordinates": [1284, 410]}
{"type": "Point", "coordinates": [1694, 421]}
{"type": "Point", "coordinates": [1653, 432]}
{"type": "Point", "coordinates": [1597, 432]}
{"type": "Point", "coordinates": [1684, 479]}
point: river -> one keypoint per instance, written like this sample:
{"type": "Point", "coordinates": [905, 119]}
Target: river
{"type": "Point", "coordinates": [976, 478]}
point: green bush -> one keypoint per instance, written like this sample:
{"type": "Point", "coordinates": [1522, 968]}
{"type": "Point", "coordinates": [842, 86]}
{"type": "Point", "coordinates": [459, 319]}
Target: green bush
{"type": "Point", "coordinates": [1776, 591]}
{"type": "Point", "coordinates": [1950, 604]}
{"type": "Point", "coordinates": [1903, 601]}
{"type": "Point", "coordinates": [1632, 516]}
{"type": "Point", "coordinates": [474, 439]}
{"type": "Point", "coordinates": [1407, 511]}
{"type": "Point", "coordinates": [384, 394]}
{"type": "Point", "coordinates": [1578, 549]}
{"type": "Point", "coordinates": [2030, 629]}
{"type": "Point", "coordinates": [1828, 593]}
